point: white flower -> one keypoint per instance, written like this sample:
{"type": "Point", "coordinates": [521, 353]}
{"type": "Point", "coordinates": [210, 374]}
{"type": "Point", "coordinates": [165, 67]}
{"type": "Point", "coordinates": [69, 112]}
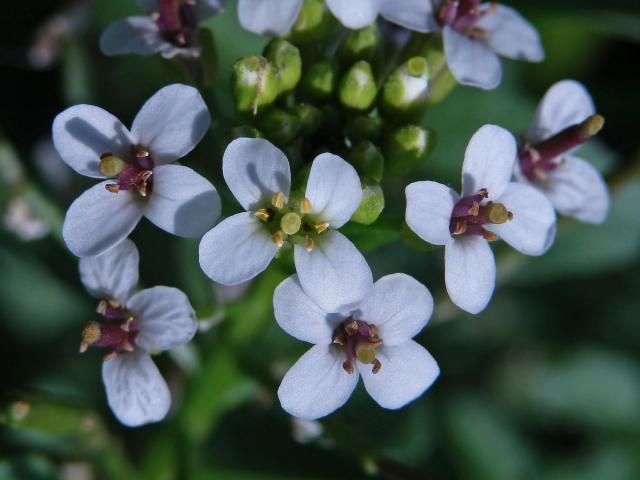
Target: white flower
{"type": "Point", "coordinates": [158, 318]}
{"type": "Point", "coordinates": [474, 34]}
{"type": "Point", "coordinates": [490, 206]}
{"type": "Point", "coordinates": [366, 332]}
{"type": "Point", "coordinates": [564, 119]}
{"type": "Point", "coordinates": [96, 144]}
{"type": "Point", "coordinates": [169, 29]}
{"type": "Point", "coordinates": [276, 17]}
{"type": "Point", "coordinates": [243, 245]}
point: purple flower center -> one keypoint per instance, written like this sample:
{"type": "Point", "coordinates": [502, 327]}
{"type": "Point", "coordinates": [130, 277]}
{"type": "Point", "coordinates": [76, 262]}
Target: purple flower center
{"type": "Point", "coordinates": [135, 174]}
{"type": "Point", "coordinates": [359, 340]}
{"type": "Point", "coordinates": [462, 16]}
{"type": "Point", "coordinates": [177, 21]}
{"type": "Point", "coordinates": [117, 332]}
{"type": "Point", "coordinates": [470, 215]}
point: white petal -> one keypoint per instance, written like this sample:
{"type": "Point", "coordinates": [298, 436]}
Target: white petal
{"type": "Point", "coordinates": [98, 220]}
{"type": "Point", "coordinates": [334, 189]}
{"type": "Point", "coordinates": [139, 35]}
{"type": "Point", "coordinates": [236, 250]}
{"type": "Point", "coordinates": [533, 227]}
{"type": "Point", "coordinates": [355, 14]}
{"type": "Point", "coordinates": [266, 17]}
{"type": "Point", "coordinates": [182, 202]}
{"type": "Point", "coordinates": [576, 189]}
{"type": "Point", "coordinates": [254, 170]}
{"type": "Point", "coordinates": [565, 104]}
{"type": "Point", "coordinates": [416, 15]}
{"type": "Point", "coordinates": [171, 123]}
{"type": "Point", "coordinates": [136, 391]}
{"type": "Point", "coordinates": [334, 273]}
{"type": "Point", "coordinates": [429, 208]}
{"type": "Point", "coordinates": [317, 384]}
{"type": "Point", "coordinates": [165, 318]}
{"type": "Point", "coordinates": [470, 272]}
{"type": "Point", "coordinates": [407, 371]}
{"type": "Point", "coordinates": [489, 161]}
{"type": "Point", "coordinates": [82, 133]}
{"type": "Point", "coordinates": [511, 35]}
{"type": "Point", "coordinates": [399, 306]}
{"type": "Point", "coordinates": [112, 274]}
{"type": "Point", "coordinates": [471, 61]}
{"type": "Point", "coordinates": [298, 315]}
{"type": "Point", "coordinates": [208, 8]}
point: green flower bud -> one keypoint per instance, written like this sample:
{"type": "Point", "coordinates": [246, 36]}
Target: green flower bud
{"type": "Point", "coordinates": [405, 91]}
{"type": "Point", "coordinates": [358, 87]}
{"type": "Point", "coordinates": [360, 45]}
{"type": "Point", "coordinates": [255, 84]}
{"type": "Point", "coordinates": [441, 80]}
{"type": "Point", "coordinates": [362, 127]}
{"type": "Point", "coordinates": [245, 131]}
{"type": "Point", "coordinates": [310, 118]}
{"type": "Point", "coordinates": [286, 58]}
{"type": "Point", "coordinates": [371, 205]}
{"type": "Point", "coordinates": [406, 148]}
{"type": "Point", "coordinates": [314, 23]}
{"type": "Point", "coordinates": [279, 126]}
{"type": "Point", "coordinates": [367, 160]}
{"type": "Point", "coordinates": [319, 81]}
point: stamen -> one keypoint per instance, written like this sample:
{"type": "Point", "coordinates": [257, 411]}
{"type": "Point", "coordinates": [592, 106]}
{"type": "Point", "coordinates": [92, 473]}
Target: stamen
{"type": "Point", "coordinates": [278, 200]}
{"type": "Point", "coordinates": [309, 243]}
{"type": "Point", "coordinates": [347, 366]}
{"type": "Point", "coordinates": [90, 335]}
{"type": "Point", "coordinates": [305, 206]}
{"type": "Point", "coordinates": [376, 366]}
{"type": "Point", "coordinates": [112, 187]}
{"type": "Point", "coordinates": [490, 236]}
{"type": "Point", "coordinates": [109, 356]}
{"type": "Point", "coordinates": [143, 185]}
{"type": "Point", "coordinates": [321, 227]}
{"type": "Point", "coordinates": [110, 165]}
{"type": "Point", "coordinates": [278, 238]}
{"type": "Point", "coordinates": [263, 214]}
{"type": "Point", "coordinates": [290, 223]}
{"type": "Point", "coordinates": [475, 208]}
{"type": "Point", "coordinates": [351, 328]}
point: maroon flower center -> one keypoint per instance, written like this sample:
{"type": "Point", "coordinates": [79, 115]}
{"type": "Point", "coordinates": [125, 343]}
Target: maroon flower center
{"type": "Point", "coordinates": [462, 16]}
{"type": "Point", "coordinates": [177, 21]}
{"type": "Point", "coordinates": [135, 174]}
{"type": "Point", "coordinates": [359, 340]}
{"type": "Point", "coordinates": [117, 332]}
{"type": "Point", "coordinates": [470, 215]}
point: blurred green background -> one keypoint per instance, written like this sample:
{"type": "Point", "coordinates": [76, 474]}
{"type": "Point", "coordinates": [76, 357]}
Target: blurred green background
{"type": "Point", "coordinates": [544, 384]}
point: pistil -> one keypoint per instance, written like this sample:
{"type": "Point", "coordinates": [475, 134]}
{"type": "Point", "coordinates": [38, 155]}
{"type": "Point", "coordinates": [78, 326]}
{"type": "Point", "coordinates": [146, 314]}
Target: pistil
{"type": "Point", "coordinates": [118, 334]}
{"type": "Point", "coordinates": [469, 215]}
{"type": "Point", "coordinates": [131, 175]}
{"type": "Point", "coordinates": [359, 341]}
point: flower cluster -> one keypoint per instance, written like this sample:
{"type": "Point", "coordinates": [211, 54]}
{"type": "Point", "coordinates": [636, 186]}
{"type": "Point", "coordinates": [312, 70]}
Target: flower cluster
{"type": "Point", "coordinates": [359, 122]}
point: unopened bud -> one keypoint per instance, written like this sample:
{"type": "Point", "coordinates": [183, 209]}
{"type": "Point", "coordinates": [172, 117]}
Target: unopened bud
{"type": "Point", "coordinates": [279, 126]}
{"type": "Point", "coordinates": [245, 131]}
{"type": "Point", "coordinates": [358, 87]}
{"type": "Point", "coordinates": [371, 205]}
{"type": "Point", "coordinates": [441, 79]}
{"type": "Point", "coordinates": [367, 160]}
{"type": "Point", "coordinates": [406, 148]}
{"type": "Point", "coordinates": [286, 58]}
{"type": "Point", "coordinates": [362, 127]}
{"type": "Point", "coordinates": [310, 118]}
{"type": "Point", "coordinates": [319, 81]}
{"type": "Point", "coordinates": [406, 89]}
{"type": "Point", "coordinates": [314, 23]}
{"type": "Point", "coordinates": [111, 166]}
{"type": "Point", "coordinates": [255, 84]}
{"type": "Point", "coordinates": [360, 45]}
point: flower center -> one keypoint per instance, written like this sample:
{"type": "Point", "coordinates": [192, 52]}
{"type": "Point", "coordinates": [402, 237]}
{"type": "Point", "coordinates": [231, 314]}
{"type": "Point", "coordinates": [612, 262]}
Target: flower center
{"type": "Point", "coordinates": [537, 161]}
{"type": "Point", "coordinates": [177, 21]}
{"type": "Point", "coordinates": [291, 222]}
{"type": "Point", "coordinates": [470, 215]}
{"type": "Point", "coordinates": [131, 175]}
{"type": "Point", "coordinates": [359, 340]}
{"type": "Point", "coordinates": [117, 332]}
{"type": "Point", "coordinates": [462, 16]}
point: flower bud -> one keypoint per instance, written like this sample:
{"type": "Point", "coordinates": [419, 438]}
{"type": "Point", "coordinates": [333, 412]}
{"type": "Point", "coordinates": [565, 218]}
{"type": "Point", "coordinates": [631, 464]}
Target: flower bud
{"type": "Point", "coordinates": [245, 131]}
{"type": "Point", "coordinates": [314, 23]}
{"type": "Point", "coordinates": [255, 84]}
{"type": "Point", "coordinates": [319, 81]}
{"type": "Point", "coordinates": [279, 126]}
{"type": "Point", "coordinates": [310, 118]}
{"type": "Point", "coordinates": [405, 91]}
{"type": "Point", "coordinates": [371, 205]}
{"type": "Point", "coordinates": [358, 87]}
{"type": "Point", "coordinates": [406, 148]}
{"type": "Point", "coordinates": [430, 47]}
{"type": "Point", "coordinates": [360, 45]}
{"type": "Point", "coordinates": [286, 58]}
{"type": "Point", "coordinates": [367, 160]}
{"type": "Point", "coordinates": [362, 127]}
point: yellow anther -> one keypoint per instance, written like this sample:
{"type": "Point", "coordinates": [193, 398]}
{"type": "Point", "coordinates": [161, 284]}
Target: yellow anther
{"type": "Point", "coordinates": [365, 352]}
{"type": "Point", "coordinates": [290, 223]}
{"type": "Point", "coordinates": [278, 200]}
{"type": "Point", "coordinates": [309, 243]}
{"type": "Point", "coordinates": [278, 238]}
{"type": "Point", "coordinates": [263, 214]}
{"type": "Point", "coordinates": [321, 227]}
{"type": "Point", "coordinates": [90, 334]}
{"type": "Point", "coordinates": [497, 213]}
{"type": "Point", "coordinates": [305, 206]}
{"type": "Point", "coordinates": [110, 165]}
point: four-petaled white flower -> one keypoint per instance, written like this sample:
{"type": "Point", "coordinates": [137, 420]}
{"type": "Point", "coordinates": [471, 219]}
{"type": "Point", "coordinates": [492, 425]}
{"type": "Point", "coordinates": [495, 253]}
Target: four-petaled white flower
{"type": "Point", "coordinates": [366, 332]}
{"type": "Point", "coordinates": [490, 206]}
{"type": "Point", "coordinates": [156, 319]}
{"type": "Point", "coordinates": [243, 245]}
{"type": "Point", "coordinates": [565, 118]}
{"type": "Point", "coordinates": [169, 29]}
{"type": "Point", "coordinates": [269, 17]}
{"type": "Point", "coordinates": [96, 144]}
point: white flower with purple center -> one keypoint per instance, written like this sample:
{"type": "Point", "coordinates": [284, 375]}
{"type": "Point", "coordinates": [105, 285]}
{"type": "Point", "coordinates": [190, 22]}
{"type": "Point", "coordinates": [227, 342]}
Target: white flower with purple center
{"type": "Point", "coordinates": [154, 319]}
{"type": "Point", "coordinates": [169, 29]}
{"type": "Point", "coordinates": [243, 245]}
{"type": "Point", "coordinates": [565, 118]}
{"type": "Point", "coordinates": [366, 332]}
{"type": "Point", "coordinates": [140, 180]}
{"type": "Point", "coordinates": [491, 206]}
{"type": "Point", "coordinates": [276, 17]}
